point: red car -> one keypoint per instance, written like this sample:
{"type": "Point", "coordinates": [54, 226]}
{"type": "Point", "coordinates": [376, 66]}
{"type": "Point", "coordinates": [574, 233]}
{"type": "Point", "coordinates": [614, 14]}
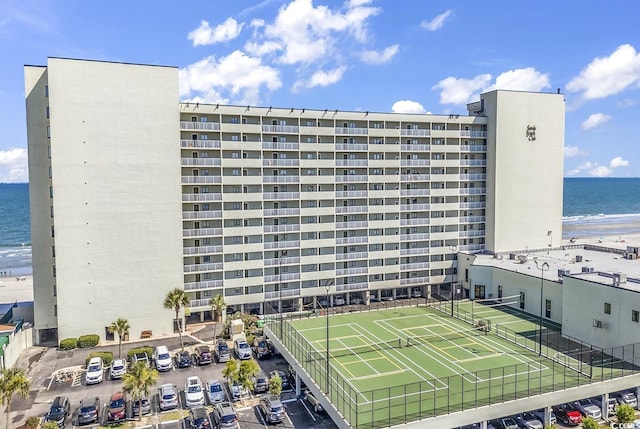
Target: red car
{"type": "Point", "coordinates": [567, 414]}
{"type": "Point", "coordinates": [117, 407]}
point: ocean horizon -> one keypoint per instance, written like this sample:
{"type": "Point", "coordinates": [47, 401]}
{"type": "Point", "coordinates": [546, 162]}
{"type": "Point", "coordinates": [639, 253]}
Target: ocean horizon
{"type": "Point", "coordinates": [592, 204]}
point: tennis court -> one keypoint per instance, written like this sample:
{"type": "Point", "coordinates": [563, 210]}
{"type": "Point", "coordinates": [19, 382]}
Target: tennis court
{"type": "Point", "coordinates": [387, 367]}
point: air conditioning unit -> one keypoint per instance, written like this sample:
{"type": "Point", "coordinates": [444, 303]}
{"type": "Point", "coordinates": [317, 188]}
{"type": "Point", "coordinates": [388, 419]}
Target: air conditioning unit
{"type": "Point", "coordinates": [578, 258]}
{"type": "Point", "coordinates": [587, 269]}
{"type": "Point", "coordinates": [597, 324]}
{"type": "Point", "coordinates": [619, 278]}
{"type": "Point", "coordinates": [563, 272]}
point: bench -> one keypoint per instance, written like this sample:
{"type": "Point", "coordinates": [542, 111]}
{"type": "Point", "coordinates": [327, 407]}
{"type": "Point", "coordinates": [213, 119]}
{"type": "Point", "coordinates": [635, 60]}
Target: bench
{"type": "Point", "coordinates": [146, 334]}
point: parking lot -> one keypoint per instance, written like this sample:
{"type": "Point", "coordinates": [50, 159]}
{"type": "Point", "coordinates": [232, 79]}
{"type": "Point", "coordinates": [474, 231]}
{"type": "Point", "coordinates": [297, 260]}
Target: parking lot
{"type": "Point", "coordinates": [43, 364]}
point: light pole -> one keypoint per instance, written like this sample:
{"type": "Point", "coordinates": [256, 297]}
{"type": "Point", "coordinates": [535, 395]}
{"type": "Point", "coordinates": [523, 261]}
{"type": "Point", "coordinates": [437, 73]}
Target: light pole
{"type": "Point", "coordinates": [327, 285]}
{"type": "Point", "coordinates": [542, 267]}
{"type": "Point", "coordinates": [455, 290]}
{"type": "Point", "coordinates": [283, 253]}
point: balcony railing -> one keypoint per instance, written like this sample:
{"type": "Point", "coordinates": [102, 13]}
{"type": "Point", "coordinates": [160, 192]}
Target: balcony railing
{"type": "Point", "coordinates": [407, 192]}
{"type": "Point", "coordinates": [351, 178]}
{"type": "Point", "coordinates": [351, 240]}
{"type": "Point", "coordinates": [414, 281]}
{"type": "Point", "coordinates": [351, 256]}
{"type": "Point", "coordinates": [201, 250]}
{"type": "Point", "coordinates": [414, 237]}
{"type": "Point", "coordinates": [291, 129]}
{"type": "Point", "coordinates": [472, 233]}
{"type": "Point", "coordinates": [285, 261]}
{"type": "Point", "coordinates": [473, 162]}
{"type": "Point", "coordinates": [414, 251]}
{"type": "Point", "coordinates": [473, 148]}
{"type": "Point", "coordinates": [351, 271]}
{"type": "Point", "coordinates": [471, 247]}
{"type": "Point", "coordinates": [351, 162]}
{"type": "Point", "coordinates": [352, 131]}
{"type": "Point", "coordinates": [414, 132]}
{"type": "Point", "coordinates": [209, 284]}
{"type": "Point", "coordinates": [472, 219]}
{"type": "Point", "coordinates": [473, 205]}
{"type": "Point", "coordinates": [281, 179]}
{"type": "Point", "coordinates": [200, 161]}
{"type": "Point", "coordinates": [200, 126]}
{"type": "Point", "coordinates": [469, 133]}
{"type": "Point", "coordinates": [351, 209]}
{"type": "Point", "coordinates": [351, 194]}
{"type": "Point", "coordinates": [414, 207]}
{"type": "Point", "coordinates": [281, 228]}
{"type": "Point", "coordinates": [285, 293]}
{"type": "Point", "coordinates": [415, 147]}
{"type": "Point", "coordinates": [414, 162]}
{"type": "Point", "coordinates": [280, 162]}
{"type": "Point", "coordinates": [202, 232]}
{"type": "Point", "coordinates": [203, 144]}
{"type": "Point", "coordinates": [352, 287]}
{"type": "Point", "coordinates": [415, 221]}
{"type": "Point", "coordinates": [282, 244]}
{"type": "Point", "coordinates": [415, 266]}
{"type": "Point", "coordinates": [202, 197]}
{"type": "Point", "coordinates": [200, 180]}
{"type": "Point", "coordinates": [281, 195]}
{"type": "Point", "coordinates": [284, 277]}
{"type": "Point", "coordinates": [473, 177]}
{"type": "Point", "coordinates": [281, 212]}
{"type": "Point", "coordinates": [415, 177]}
{"type": "Point", "coordinates": [352, 224]}
{"type": "Point", "coordinates": [473, 191]}
{"type": "Point", "coordinates": [209, 214]}
{"type": "Point", "coordinates": [280, 146]}
{"type": "Point", "coordinates": [350, 147]}
{"type": "Point", "coordinates": [196, 268]}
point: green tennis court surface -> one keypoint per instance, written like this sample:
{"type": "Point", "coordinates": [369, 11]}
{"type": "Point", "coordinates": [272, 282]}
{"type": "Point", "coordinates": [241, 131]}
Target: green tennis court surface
{"type": "Point", "coordinates": [388, 367]}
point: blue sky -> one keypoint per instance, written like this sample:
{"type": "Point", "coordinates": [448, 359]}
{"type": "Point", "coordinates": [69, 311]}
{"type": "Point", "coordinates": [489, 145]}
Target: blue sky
{"type": "Point", "coordinates": [377, 55]}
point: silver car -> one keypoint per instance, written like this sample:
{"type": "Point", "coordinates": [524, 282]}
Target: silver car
{"type": "Point", "coordinates": [168, 394]}
{"type": "Point", "coordinates": [588, 408]}
{"type": "Point", "coordinates": [215, 391]}
{"type": "Point", "coordinates": [243, 351]}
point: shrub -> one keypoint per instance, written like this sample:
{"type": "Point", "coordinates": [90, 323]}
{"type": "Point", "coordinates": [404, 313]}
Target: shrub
{"type": "Point", "coordinates": [68, 344]}
{"type": "Point", "coordinates": [107, 357]}
{"type": "Point", "coordinates": [250, 339]}
{"type": "Point", "coordinates": [32, 423]}
{"type": "Point", "coordinates": [143, 349]}
{"type": "Point", "coordinates": [625, 413]}
{"type": "Point", "coordinates": [589, 423]}
{"type": "Point", "coordinates": [90, 340]}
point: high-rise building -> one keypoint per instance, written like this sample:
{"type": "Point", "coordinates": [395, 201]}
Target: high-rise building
{"type": "Point", "coordinates": [134, 193]}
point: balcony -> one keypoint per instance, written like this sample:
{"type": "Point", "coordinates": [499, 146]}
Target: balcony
{"type": "Point", "coordinates": [415, 281]}
{"type": "Point", "coordinates": [280, 146]}
{"type": "Point", "coordinates": [351, 240]}
{"type": "Point", "coordinates": [349, 147]}
{"type": "Point", "coordinates": [281, 228]}
{"type": "Point", "coordinates": [279, 196]}
{"type": "Point", "coordinates": [469, 133]}
{"type": "Point", "coordinates": [415, 147]}
{"type": "Point", "coordinates": [414, 132]}
{"type": "Point", "coordinates": [351, 178]}
{"type": "Point", "coordinates": [285, 261]}
{"type": "Point", "coordinates": [473, 191]}
{"type": "Point", "coordinates": [415, 266]}
{"type": "Point", "coordinates": [281, 179]}
{"type": "Point", "coordinates": [286, 293]}
{"type": "Point", "coordinates": [414, 251]}
{"type": "Point", "coordinates": [473, 177]}
{"type": "Point", "coordinates": [472, 219]}
{"type": "Point", "coordinates": [200, 180]}
{"type": "Point", "coordinates": [472, 248]}
{"type": "Point", "coordinates": [473, 162]}
{"type": "Point", "coordinates": [414, 162]}
{"type": "Point", "coordinates": [351, 194]}
{"type": "Point", "coordinates": [473, 148]}
{"type": "Point", "coordinates": [414, 237]}
{"type": "Point", "coordinates": [289, 129]}
{"type": "Point", "coordinates": [414, 207]}
{"type": "Point", "coordinates": [200, 161]}
{"type": "Point", "coordinates": [209, 284]}
{"type": "Point", "coordinates": [352, 131]}
{"type": "Point", "coordinates": [199, 268]}
{"type": "Point", "coordinates": [282, 212]}
{"type": "Point", "coordinates": [293, 244]}
{"type": "Point", "coordinates": [200, 144]}
{"type": "Point", "coordinates": [352, 224]}
{"type": "Point", "coordinates": [352, 287]}
{"type": "Point", "coordinates": [209, 214]}
{"type": "Point", "coordinates": [202, 232]}
{"type": "Point", "coordinates": [351, 209]}
{"type": "Point", "coordinates": [351, 162]}
{"type": "Point", "coordinates": [473, 205]}
{"type": "Point", "coordinates": [471, 233]}
{"type": "Point", "coordinates": [201, 250]}
{"type": "Point", "coordinates": [199, 126]}
{"type": "Point", "coordinates": [202, 197]}
{"type": "Point", "coordinates": [279, 278]}
{"type": "Point", "coordinates": [280, 162]}
{"type": "Point", "coordinates": [351, 256]}
{"type": "Point", "coordinates": [415, 221]}
{"type": "Point", "coordinates": [351, 271]}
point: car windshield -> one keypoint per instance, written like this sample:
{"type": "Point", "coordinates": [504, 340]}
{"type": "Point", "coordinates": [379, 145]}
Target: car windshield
{"type": "Point", "coordinates": [276, 409]}
{"type": "Point", "coordinates": [228, 418]}
{"type": "Point", "coordinates": [163, 356]}
{"type": "Point", "coordinates": [243, 345]}
{"type": "Point", "coordinates": [57, 410]}
{"type": "Point", "coordinates": [94, 367]}
{"type": "Point", "coordinates": [118, 366]}
{"type": "Point", "coordinates": [223, 347]}
{"type": "Point", "coordinates": [194, 389]}
{"type": "Point", "coordinates": [262, 344]}
{"type": "Point", "coordinates": [88, 409]}
{"type": "Point", "coordinates": [215, 388]}
{"type": "Point", "coordinates": [117, 403]}
{"type": "Point", "coordinates": [167, 395]}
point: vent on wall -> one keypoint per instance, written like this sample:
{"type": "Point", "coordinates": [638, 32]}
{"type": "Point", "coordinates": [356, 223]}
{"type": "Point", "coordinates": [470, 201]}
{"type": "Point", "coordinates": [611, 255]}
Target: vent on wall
{"type": "Point", "coordinates": [598, 324]}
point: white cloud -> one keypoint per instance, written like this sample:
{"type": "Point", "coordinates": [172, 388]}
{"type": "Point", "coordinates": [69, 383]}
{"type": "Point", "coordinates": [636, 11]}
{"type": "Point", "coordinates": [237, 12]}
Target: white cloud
{"type": "Point", "coordinates": [459, 90]}
{"type": "Point", "coordinates": [587, 165]}
{"type": "Point", "coordinates": [462, 91]}
{"type": "Point", "coordinates": [594, 120]}
{"type": "Point", "coordinates": [618, 162]}
{"type": "Point", "coordinates": [238, 77]}
{"type": "Point", "coordinates": [437, 22]}
{"type": "Point", "coordinates": [571, 151]}
{"type": "Point", "coordinates": [606, 76]}
{"type": "Point", "coordinates": [601, 171]}
{"type": "Point", "coordinates": [306, 34]}
{"type": "Point", "coordinates": [322, 78]}
{"type": "Point", "coordinates": [205, 35]}
{"type": "Point", "coordinates": [407, 106]}
{"type": "Point", "coordinates": [14, 166]}
{"type": "Point", "coordinates": [376, 57]}
{"type": "Point", "coordinates": [572, 172]}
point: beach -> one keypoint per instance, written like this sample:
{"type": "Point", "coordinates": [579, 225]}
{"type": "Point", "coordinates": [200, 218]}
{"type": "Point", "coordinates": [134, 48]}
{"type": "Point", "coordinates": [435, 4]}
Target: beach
{"type": "Point", "coordinates": [16, 288]}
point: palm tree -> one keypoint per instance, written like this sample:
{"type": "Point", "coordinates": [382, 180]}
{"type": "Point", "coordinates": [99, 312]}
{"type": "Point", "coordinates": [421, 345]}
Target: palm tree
{"type": "Point", "coordinates": [217, 306]}
{"type": "Point", "coordinates": [176, 300]}
{"type": "Point", "coordinates": [12, 381]}
{"type": "Point", "coordinates": [120, 327]}
{"type": "Point", "coordinates": [138, 381]}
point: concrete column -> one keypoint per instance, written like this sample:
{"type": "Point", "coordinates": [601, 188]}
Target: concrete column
{"type": "Point", "coordinates": [298, 385]}
{"type": "Point", "coordinates": [483, 424]}
{"type": "Point", "coordinates": [638, 396]}
{"type": "Point", "coordinates": [547, 416]}
{"type": "Point", "coordinates": [202, 316]}
{"type": "Point", "coordinates": [604, 405]}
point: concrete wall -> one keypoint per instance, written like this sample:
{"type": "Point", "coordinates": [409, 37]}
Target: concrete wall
{"type": "Point", "coordinates": [524, 176]}
{"type": "Point", "coordinates": [116, 186]}
{"type": "Point", "coordinates": [18, 342]}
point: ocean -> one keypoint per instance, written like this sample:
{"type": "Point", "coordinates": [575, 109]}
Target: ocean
{"type": "Point", "coordinates": [594, 202]}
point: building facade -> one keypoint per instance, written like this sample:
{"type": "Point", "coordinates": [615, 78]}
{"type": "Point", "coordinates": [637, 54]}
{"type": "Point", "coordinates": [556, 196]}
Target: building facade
{"type": "Point", "coordinates": [134, 193]}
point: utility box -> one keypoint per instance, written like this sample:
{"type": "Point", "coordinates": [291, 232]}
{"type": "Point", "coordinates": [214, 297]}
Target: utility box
{"type": "Point", "coordinates": [236, 329]}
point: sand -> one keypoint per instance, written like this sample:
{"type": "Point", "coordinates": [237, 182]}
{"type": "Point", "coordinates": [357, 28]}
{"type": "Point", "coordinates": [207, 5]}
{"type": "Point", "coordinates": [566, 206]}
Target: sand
{"type": "Point", "coordinates": [12, 289]}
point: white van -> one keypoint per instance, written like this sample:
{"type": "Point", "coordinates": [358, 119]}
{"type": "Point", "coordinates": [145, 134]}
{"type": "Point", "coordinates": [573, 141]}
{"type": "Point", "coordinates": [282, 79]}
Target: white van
{"type": "Point", "coordinates": [162, 358]}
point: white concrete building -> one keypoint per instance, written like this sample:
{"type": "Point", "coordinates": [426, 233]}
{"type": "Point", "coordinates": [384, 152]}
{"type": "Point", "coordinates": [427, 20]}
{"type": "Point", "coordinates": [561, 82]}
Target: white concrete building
{"type": "Point", "coordinates": [134, 193]}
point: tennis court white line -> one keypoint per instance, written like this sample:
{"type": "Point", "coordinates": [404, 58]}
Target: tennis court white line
{"type": "Point", "coordinates": [356, 354]}
{"type": "Point", "coordinates": [480, 357]}
{"type": "Point", "coordinates": [324, 328]}
{"type": "Point", "coordinates": [390, 398]}
{"type": "Point", "coordinates": [366, 377]}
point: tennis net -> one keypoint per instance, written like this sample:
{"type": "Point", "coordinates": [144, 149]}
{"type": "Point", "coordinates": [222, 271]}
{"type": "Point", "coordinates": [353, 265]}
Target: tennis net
{"type": "Point", "coordinates": [316, 355]}
{"type": "Point", "coordinates": [448, 336]}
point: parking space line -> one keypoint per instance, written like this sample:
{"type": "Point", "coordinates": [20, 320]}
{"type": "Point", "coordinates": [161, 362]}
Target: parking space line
{"type": "Point", "coordinates": [308, 411]}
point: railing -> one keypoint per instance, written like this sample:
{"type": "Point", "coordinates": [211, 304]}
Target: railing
{"type": "Point", "coordinates": [472, 191]}
{"type": "Point", "coordinates": [473, 205]}
{"type": "Point", "coordinates": [202, 197]}
{"type": "Point", "coordinates": [416, 221]}
{"type": "Point", "coordinates": [473, 148]}
{"type": "Point", "coordinates": [472, 219]}
{"type": "Point", "coordinates": [351, 240]}
{"type": "Point", "coordinates": [286, 293]}
{"type": "Point", "coordinates": [352, 287]}
{"type": "Point", "coordinates": [351, 271]}
{"type": "Point", "coordinates": [350, 225]}
{"type": "Point", "coordinates": [351, 194]}
{"type": "Point", "coordinates": [280, 146]}
{"type": "Point", "coordinates": [281, 179]}
{"type": "Point", "coordinates": [473, 177]}
{"type": "Point", "coordinates": [202, 126]}
{"type": "Point", "coordinates": [414, 207]}
{"type": "Point", "coordinates": [281, 244]}
{"type": "Point", "coordinates": [203, 144]}
{"type": "Point", "coordinates": [352, 209]}
{"type": "Point", "coordinates": [201, 250]}
{"type": "Point", "coordinates": [278, 278]}
{"type": "Point", "coordinates": [195, 268]}
{"type": "Point", "coordinates": [201, 161]}
{"type": "Point", "coordinates": [352, 131]}
{"type": "Point", "coordinates": [281, 212]}
{"type": "Point", "coordinates": [203, 285]}
{"type": "Point", "coordinates": [281, 228]}
{"type": "Point", "coordinates": [350, 147]}
{"type": "Point", "coordinates": [415, 147]}
{"type": "Point", "coordinates": [414, 281]}
{"type": "Point", "coordinates": [188, 180]}
{"type": "Point", "coordinates": [473, 162]}
{"type": "Point", "coordinates": [472, 233]}
{"type": "Point", "coordinates": [280, 129]}
{"type": "Point", "coordinates": [471, 248]}
{"type": "Point", "coordinates": [285, 261]}
{"type": "Point", "coordinates": [414, 132]}
{"type": "Point", "coordinates": [415, 177]}
{"type": "Point", "coordinates": [207, 214]}
{"type": "Point", "coordinates": [201, 232]}
{"type": "Point", "coordinates": [350, 256]}
{"type": "Point", "coordinates": [414, 237]}
{"type": "Point", "coordinates": [280, 162]}
{"type": "Point", "coordinates": [351, 178]}
{"type": "Point", "coordinates": [422, 191]}
{"type": "Point", "coordinates": [415, 266]}
{"type": "Point", "coordinates": [351, 162]}
{"type": "Point", "coordinates": [416, 162]}
{"type": "Point", "coordinates": [414, 251]}
{"type": "Point", "coordinates": [281, 195]}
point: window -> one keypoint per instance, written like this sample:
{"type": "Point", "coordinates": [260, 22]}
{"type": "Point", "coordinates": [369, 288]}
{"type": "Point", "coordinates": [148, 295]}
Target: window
{"type": "Point", "coordinates": [547, 306]}
{"type": "Point", "coordinates": [635, 316]}
{"type": "Point", "coordinates": [607, 308]}
{"type": "Point", "coordinates": [521, 300]}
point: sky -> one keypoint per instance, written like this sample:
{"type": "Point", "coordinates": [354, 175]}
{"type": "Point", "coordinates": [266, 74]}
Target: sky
{"type": "Point", "coordinates": [413, 56]}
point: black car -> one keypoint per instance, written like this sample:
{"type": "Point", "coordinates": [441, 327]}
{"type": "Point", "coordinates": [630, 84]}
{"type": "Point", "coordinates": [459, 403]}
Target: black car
{"type": "Point", "coordinates": [286, 385]}
{"type": "Point", "coordinates": [59, 411]}
{"type": "Point", "coordinates": [203, 355]}
{"type": "Point", "coordinates": [199, 418]}
{"type": "Point", "coordinates": [89, 411]}
{"type": "Point", "coordinates": [183, 359]}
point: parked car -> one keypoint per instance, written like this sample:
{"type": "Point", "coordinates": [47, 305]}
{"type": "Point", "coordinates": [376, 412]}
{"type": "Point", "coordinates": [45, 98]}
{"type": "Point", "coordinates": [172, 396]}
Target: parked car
{"type": "Point", "coordinates": [215, 392]}
{"type": "Point", "coordinates": [222, 352]}
{"type": "Point", "coordinates": [199, 418]}
{"type": "Point", "coordinates": [162, 358]}
{"type": "Point", "coordinates": [242, 349]}
{"type": "Point", "coordinates": [588, 409]}
{"type": "Point", "coordinates": [168, 396]}
{"type": "Point", "coordinates": [260, 382]}
{"type": "Point", "coordinates": [117, 407]}
{"type": "Point", "coordinates": [611, 404]}
{"type": "Point", "coordinates": [143, 404]}
{"type": "Point", "coordinates": [183, 359]}
{"type": "Point", "coordinates": [528, 421]}
{"type": "Point", "coordinates": [193, 393]}
{"type": "Point", "coordinates": [273, 348]}
{"type": "Point", "coordinates": [625, 397]}
{"type": "Point", "coordinates": [313, 401]}
{"type": "Point", "coordinates": [286, 385]}
{"type": "Point", "coordinates": [89, 411]}
{"type": "Point", "coordinates": [539, 414]}
{"type": "Point", "coordinates": [261, 348]}
{"type": "Point", "coordinates": [238, 391]}
{"type": "Point", "coordinates": [224, 415]}
{"type": "Point", "coordinates": [118, 369]}
{"type": "Point", "coordinates": [203, 355]}
{"type": "Point", "coordinates": [95, 369]}
{"type": "Point", "coordinates": [509, 423]}
{"type": "Point", "coordinates": [291, 375]}
{"type": "Point", "coordinates": [272, 409]}
{"type": "Point", "coordinates": [59, 411]}
{"type": "Point", "coordinates": [567, 414]}
{"type": "Point", "coordinates": [356, 300]}
{"type": "Point", "coordinates": [339, 300]}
